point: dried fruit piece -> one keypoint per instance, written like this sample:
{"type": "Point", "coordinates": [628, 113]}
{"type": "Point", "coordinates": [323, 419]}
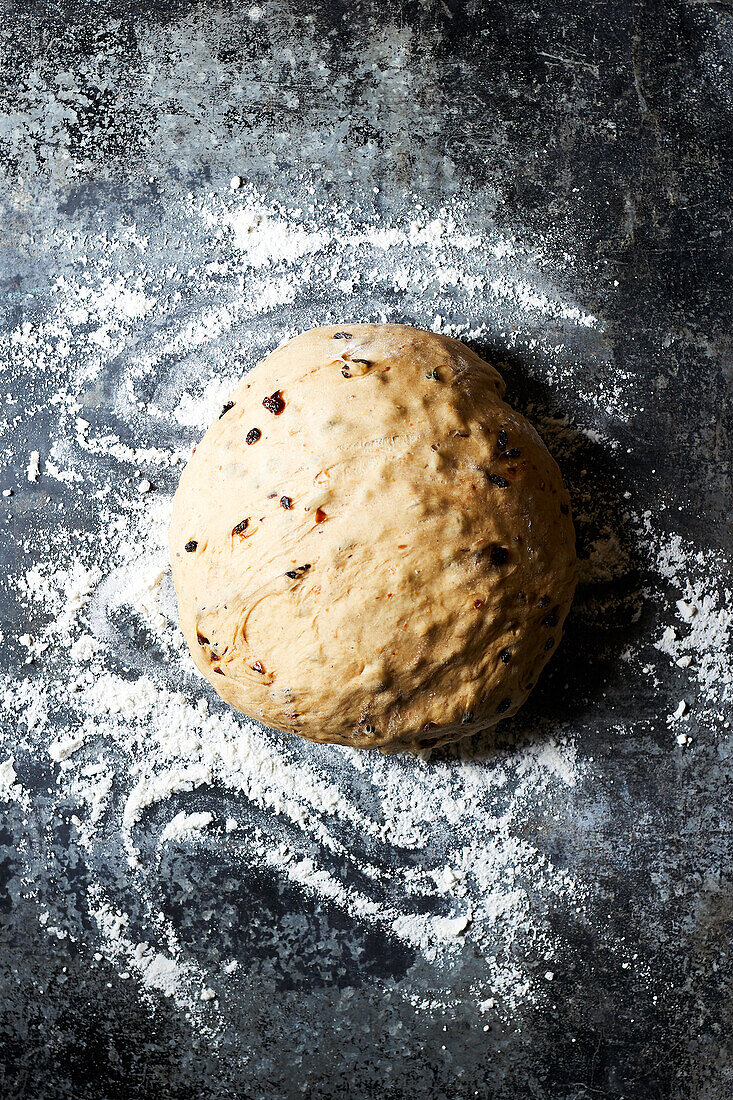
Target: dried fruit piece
{"type": "Point", "coordinates": [551, 619]}
{"type": "Point", "coordinates": [504, 705]}
{"type": "Point", "coordinates": [549, 643]}
{"type": "Point", "coordinates": [498, 480]}
{"type": "Point", "coordinates": [286, 502]}
{"type": "Point", "coordinates": [274, 403]}
{"type": "Point", "coordinates": [299, 570]}
{"type": "Point", "coordinates": [190, 546]}
{"type": "Point", "coordinates": [320, 515]}
{"type": "Point", "coordinates": [229, 405]}
{"type": "Point", "coordinates": [502, 440]}
{"type": "Point", "coordinates": [257, 667]}
{"type": "Point", "coordinates": [499, 555]}
{"type": "Point", "coordinates": [513, 452]}
{"type": "Point", "coordinates": [253, 435]}
{"type": "Point", "coordinates": [342, 335]}
{"type": "Point", "coordinates": [241, 527]}
{"type": "Point", "coordinates": [505, 655]}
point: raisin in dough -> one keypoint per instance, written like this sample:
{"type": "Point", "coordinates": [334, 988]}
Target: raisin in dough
{"type": "Point", "coordinates": [369, 546]}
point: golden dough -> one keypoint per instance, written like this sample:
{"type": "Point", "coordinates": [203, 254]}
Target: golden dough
{"type": "Point", "coordinates": [369, 546]}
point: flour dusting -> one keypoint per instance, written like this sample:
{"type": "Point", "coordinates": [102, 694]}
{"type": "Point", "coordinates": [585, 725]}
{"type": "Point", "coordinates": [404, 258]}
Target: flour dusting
{"type": "Point", "coordinates": [440, 853]}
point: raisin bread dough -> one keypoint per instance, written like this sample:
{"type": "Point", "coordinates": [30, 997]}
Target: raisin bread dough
{"type": "Point", "coordinates": [369, 546]}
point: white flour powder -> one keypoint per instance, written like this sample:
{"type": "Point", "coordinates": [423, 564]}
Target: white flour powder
{"type": "Point", "coordinates": [165, 342]}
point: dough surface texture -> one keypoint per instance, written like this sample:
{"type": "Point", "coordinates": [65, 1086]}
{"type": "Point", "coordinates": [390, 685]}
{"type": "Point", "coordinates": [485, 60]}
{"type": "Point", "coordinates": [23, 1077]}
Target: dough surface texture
{"type": "Point", "coordinates": [369, 546]}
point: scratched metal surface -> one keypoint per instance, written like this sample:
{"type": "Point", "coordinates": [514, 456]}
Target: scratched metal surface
{"type": "Point", "coordinates": [612, 124]}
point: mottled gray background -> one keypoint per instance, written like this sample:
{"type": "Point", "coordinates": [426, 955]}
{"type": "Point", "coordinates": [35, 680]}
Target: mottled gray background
{"type": "Point", "coordinates": [610, 123]}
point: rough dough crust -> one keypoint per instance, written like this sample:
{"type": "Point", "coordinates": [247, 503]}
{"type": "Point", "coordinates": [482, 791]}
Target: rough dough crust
{"type": "Point", "coordinates": [369, 546]}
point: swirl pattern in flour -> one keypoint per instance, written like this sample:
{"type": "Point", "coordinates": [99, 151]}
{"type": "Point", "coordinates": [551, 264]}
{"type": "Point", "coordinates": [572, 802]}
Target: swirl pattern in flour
{"type": "Point", "coordinates": [183, 812]}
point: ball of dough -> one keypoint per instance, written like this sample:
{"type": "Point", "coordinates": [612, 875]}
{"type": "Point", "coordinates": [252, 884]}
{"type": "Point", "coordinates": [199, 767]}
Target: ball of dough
{"type": "Point", "coordinates": [369, 546]}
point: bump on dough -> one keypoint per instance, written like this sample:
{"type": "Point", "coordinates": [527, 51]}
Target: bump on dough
{"type": "Point", "coordinates": [369, 546]}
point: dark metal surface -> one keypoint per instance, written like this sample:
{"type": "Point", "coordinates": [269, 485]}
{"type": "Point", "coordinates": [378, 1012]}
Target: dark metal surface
{"type": "Point", "coordinates": [604, 133]}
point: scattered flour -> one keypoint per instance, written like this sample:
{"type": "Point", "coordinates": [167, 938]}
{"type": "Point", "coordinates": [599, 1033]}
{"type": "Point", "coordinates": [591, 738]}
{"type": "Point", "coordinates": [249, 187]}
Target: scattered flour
{"type": "Point", "coordinates": [10, 791]}
{"type": "Point", "coordinates": [33, 470]}
{"type": "Point", "coordinates": [145, 742]}
{"type": "Point", "coordinates": [183, 825]}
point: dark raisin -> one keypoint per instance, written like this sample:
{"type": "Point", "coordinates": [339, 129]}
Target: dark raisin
{"type": "Point", "coordinates": [369, 728]}
{"type": "Point", "coordinates": [274, 403]}
{"type": "Point", "coordinates": [434, 375]}
{"type": "Point", "coordinates": [544, 601]}
{"type": "Point", "coordinates": [342, 335]}
{"type": "Point", "coordinates": [364, 362]}
{"type": "Point", "coordinates": [429, 726]}
{"type": "Point", "coordinates": [257, 667]}
{"type": "Point", "coordinates": [201, 639]}
{"type": "Point", "coordinates": [513, 452]}
{"type": "Point", "coordinates": [565, 509]}
{"type": "Point", "coordinates": [498, 480]}
{"type": "Point", "coordinates": [253, 435]}
{"type": "Point", "coordinates": [549, 643]}
{"type": "Point", "coordinates": [320, 515]}
{"type": "Point", "coordinates": [229, 405]}
{"type": "Point", "coordinates": [190, 546]}
{"type": "Point", "coordinates": [478, 603]}
{"type": "Point", "coordinates": [551, 619]}
{"type": "Point", "coordinates": [505, 655]}
{"type": "Point", "coordinates": [241, 527]}
{"type": "Point", "coordinates": [467, 717]}
{"type": "Point", "coordinates": [298, 572]}
{"type": "Point", "coordinates": [286, 502]}
{"type": "Point", "coordinates": [346, 372]}
{"type": "Point", "coordinates": [504, 705]}
{"type": "Point", "coordinates": [502, 440]}
{"type": "Point", "coordinates": [219, 671]}
{"type": "Point", "coordinates": [499, 555]}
